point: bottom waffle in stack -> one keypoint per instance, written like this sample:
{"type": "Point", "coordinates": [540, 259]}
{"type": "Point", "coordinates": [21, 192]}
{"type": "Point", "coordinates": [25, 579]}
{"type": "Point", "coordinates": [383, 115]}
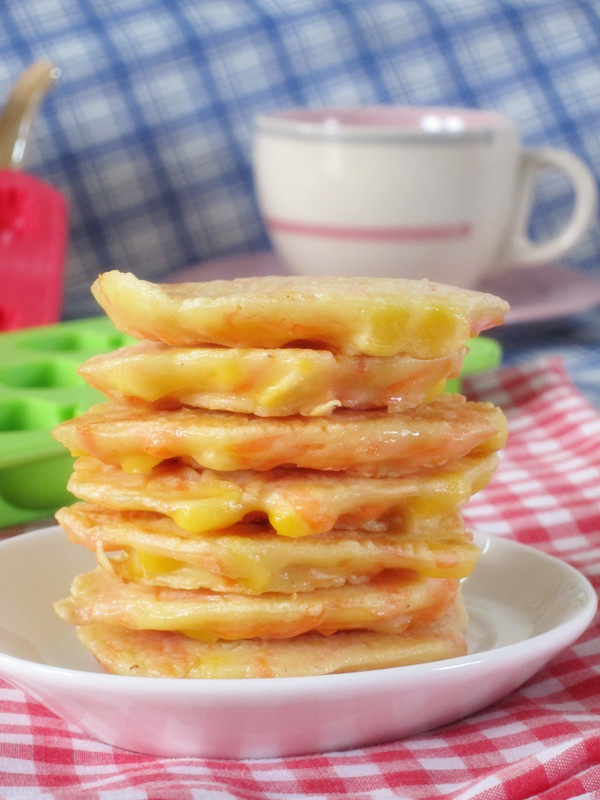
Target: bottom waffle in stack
{"type": "Point", "coordinates": [232, 545]}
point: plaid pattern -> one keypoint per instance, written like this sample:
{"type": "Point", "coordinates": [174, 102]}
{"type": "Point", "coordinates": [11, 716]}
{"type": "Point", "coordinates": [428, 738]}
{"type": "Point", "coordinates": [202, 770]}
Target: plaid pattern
{"type": "Point", "coordinates": [542, 740]}
{"type": "Point", "coordinates": [575, 340]}
{"type": "Point", "coordinates": [149, 130]}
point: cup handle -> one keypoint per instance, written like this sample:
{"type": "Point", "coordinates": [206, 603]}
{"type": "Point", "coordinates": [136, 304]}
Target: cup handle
{"type": "Point", "coordinates": [519, 249]}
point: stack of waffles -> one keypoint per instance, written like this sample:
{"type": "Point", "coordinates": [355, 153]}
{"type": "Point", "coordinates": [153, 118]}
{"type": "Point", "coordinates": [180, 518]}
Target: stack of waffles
{"type": "Point", "coordinates": [274, 487]}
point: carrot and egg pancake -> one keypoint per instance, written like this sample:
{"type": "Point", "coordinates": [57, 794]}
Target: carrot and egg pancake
{"type": "Point", "coordinates": [296, 502]}
{"type": "Point", "coordinates": [371, 316]}
{"type": "Point", "coordinates": [389, 602]}
{"type": "Point", "coordinates": [175, 655]}
{"type": "Point", "coordinates": [250, 558]}
{"type": "Point", "coordinates": [272, 383]}
{"type": "Point", "coordinates": [371, 443]}
{"type": "Point", "coordinates": [275, 485]}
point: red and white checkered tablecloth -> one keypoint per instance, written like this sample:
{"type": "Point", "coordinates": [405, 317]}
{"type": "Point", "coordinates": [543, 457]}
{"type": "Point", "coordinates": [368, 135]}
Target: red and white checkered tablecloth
{"type": "Point", "coordinates": [541, 741]}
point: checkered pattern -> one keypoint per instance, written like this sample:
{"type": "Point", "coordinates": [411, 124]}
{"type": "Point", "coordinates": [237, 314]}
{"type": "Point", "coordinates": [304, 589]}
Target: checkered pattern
{"type": "Point", "coordinates": [543, 740]}
{"type": "Point", "coordinates": [149, 130]}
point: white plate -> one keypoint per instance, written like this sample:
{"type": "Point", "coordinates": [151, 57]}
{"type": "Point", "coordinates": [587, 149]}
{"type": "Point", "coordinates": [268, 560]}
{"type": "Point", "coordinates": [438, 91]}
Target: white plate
{"type": "Point", "coordinates": [524, 607]}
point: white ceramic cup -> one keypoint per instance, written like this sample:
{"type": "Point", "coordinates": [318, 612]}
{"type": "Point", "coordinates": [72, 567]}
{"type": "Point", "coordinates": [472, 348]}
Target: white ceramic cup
{"type": "Point", "coordinates": [442, 193]}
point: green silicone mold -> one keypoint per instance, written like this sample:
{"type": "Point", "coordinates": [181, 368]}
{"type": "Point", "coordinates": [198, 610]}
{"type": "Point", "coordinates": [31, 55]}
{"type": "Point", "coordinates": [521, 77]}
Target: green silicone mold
{"type": "Point", "coordinates": [40, 387]}
{"type": "Point", "coordinates": [483, 354]}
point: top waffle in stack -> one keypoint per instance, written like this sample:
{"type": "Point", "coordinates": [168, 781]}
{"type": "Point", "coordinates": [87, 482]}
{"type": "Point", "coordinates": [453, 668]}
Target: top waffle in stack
{"type": "Point", "coordinates": [328, 499]}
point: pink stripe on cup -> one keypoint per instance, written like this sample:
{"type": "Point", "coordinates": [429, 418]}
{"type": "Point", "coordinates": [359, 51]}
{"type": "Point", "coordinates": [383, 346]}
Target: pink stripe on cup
{"type": "Point", "coordinates": [409, 233]}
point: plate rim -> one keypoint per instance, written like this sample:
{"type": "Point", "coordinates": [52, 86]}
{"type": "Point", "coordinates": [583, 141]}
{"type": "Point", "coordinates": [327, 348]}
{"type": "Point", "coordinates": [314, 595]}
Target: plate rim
{"type": "Point", "coordinates": [577, 623]}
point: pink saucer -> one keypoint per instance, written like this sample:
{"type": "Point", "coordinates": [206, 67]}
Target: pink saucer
{"type": "Point", "coordinates": [548, 291]}
{"type": "Point", "coordinates": [544, 292]}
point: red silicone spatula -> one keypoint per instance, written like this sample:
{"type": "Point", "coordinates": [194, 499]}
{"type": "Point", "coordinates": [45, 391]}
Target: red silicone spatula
{"type": "Point", "coordinates": [33, 215]}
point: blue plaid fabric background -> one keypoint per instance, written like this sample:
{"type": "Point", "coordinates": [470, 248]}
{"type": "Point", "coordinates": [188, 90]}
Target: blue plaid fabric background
{"type": "Point", "coordinates": [148, 132]}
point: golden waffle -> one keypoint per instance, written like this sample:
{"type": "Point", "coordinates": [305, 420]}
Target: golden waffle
{"type": "Point", "coordinates": [364, 442]}
{"type": "Point", "coordinates": [161, 654]}
{"type": "Point", "coordinates": [387, 603]}
{"type": "Point", "coordinates": [252, 558]}
{"type": "Point", "coordinates": [296, 502]}
{"type": "Point", "coordinates": [374, 316]}
{"type": "Point", "coordinates": [273, 383]}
